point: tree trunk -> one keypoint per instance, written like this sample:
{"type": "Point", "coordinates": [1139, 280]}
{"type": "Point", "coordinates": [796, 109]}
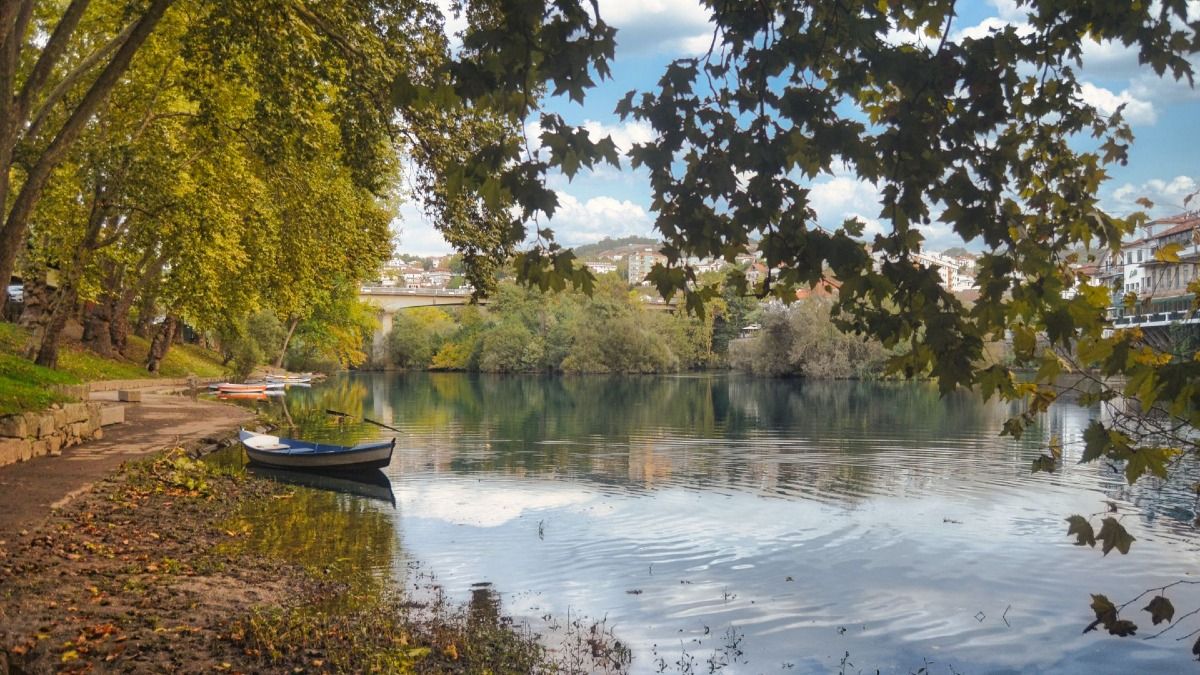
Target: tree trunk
{"type": "Point", "coordinates": [62, 307]}
{"type": "Point", "coordinates": [12, 236]}
{"type": "Point", "coordinates": [286, 340]}
{"type": "Point", "coordinates": [97, 326]}
{"type": "Point", "coordinates": [161, 343]}
{"type": "Point", "coordinates": [97, 317]}
{"type": "Point", "coordinates": [118, 317]}
{"type": "Point", "coordinates": [37, 294]}
{"type": "Point", "coordinates": [148, 290]}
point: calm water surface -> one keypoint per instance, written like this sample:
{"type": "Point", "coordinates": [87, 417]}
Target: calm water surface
{"type": "Point", "coordinates": [798, 521]}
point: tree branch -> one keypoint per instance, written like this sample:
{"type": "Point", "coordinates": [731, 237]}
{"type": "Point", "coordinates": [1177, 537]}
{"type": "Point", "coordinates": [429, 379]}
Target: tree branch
{"type": "Point", "coordinates": [73, 78]}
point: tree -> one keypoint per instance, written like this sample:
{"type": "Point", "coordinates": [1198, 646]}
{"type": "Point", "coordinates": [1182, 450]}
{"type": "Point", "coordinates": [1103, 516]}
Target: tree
{"type": "Point", "coordinates": [988, 135]}
{"type": "Point", "coordinates": [30, 63]}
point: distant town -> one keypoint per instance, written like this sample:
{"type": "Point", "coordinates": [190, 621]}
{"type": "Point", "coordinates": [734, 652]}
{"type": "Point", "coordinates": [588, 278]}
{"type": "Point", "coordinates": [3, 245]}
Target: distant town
{"type": "Point", "coordinates": [1148, 280]}
{"type": "Point", "coordinates": [632, 258]}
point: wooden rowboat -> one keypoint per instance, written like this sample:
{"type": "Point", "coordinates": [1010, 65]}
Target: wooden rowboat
{"type": "Point", "coordinates": [242, 396]}
{"type": "Point", "coordinates": [303, 378]}
{"type": "Point", "coordinates": [231, 388]}
{"type": "Point", "coordinates": [288, 453]}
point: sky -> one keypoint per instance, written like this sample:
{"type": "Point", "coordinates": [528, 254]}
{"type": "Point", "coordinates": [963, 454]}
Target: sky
{"type": "Point", "coordinates": [1164, 165]}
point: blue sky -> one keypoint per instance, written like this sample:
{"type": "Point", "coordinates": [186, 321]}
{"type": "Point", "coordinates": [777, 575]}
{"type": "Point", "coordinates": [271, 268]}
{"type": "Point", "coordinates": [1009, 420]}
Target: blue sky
{"type": "Point", "coordinates": [1165, 116]}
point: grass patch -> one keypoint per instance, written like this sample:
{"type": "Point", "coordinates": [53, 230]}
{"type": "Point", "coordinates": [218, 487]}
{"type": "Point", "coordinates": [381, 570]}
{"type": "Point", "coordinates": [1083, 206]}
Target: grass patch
{"type": "Point", "coordinates": [25, 386]}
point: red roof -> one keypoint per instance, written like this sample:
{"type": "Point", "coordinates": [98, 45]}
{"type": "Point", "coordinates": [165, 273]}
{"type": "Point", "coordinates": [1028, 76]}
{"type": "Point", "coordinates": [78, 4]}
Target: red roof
{"type": "Point", "coordinates": [1180, 223]}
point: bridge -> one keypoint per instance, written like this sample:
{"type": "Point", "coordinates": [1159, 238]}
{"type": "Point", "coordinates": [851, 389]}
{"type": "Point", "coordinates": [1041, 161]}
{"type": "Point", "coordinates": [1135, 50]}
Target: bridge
{"type": "Point", "coordinates": [391, 299]}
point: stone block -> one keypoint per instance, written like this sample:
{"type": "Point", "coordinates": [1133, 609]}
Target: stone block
{"type": "Point", "coordinates": [14, 426]}
{"type": "Point", "coordinates": [76, 412]}
{"type": "Point", "coordinates": [129, 396]}
{"type": "Point", "coordinates": [12, 450]}
{"type": "Point", "coordinates": [80, 429]}
{"type": "Point", "coordinates": [60, 418]}
{"type": "Point", "coordinates": [39, 448]}
{"type": "Point", "coordinates": [49, 424]}
{"type": "Point", "coordinates": [112, 414]}
{"type": "Point", "coordinates": [54, 444]}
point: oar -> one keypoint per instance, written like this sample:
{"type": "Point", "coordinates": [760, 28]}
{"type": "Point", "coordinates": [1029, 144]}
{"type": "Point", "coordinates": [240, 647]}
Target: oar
{"type": "Point", "coordinates": [378, 424]}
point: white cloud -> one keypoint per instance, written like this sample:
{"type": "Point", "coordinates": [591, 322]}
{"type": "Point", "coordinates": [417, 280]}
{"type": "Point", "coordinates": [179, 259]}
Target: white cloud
{"type": "Point", "coordinates": [1010, 10]}
{"type": "Point", "coordinates": [842, 197]}
{"type": "Point", "coordinates": [647, 26]}
{"type": "Point", "coordinates": [1167, 195]}
{"type": "Point", "coordinates": [990, 25]}
{"type": "Point", "coordinates": [624, 134]}
{"type": "Point", "coordinates": [416, 234]}
{"type": "Point", "coordinates": [1137, 111]}
{"type": "Point", "coordinates": [483, 505]}
{"type": "Point", "coordinates": [577, 222]}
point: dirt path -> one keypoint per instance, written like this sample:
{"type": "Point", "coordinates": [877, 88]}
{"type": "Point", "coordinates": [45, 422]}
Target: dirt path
{"type": "Point", "coordinates": [30, 490]}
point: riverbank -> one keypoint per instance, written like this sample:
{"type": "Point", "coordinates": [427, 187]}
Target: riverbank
{"type": "Point", "coordinates": [162, 567]}
{"type": "Point", "coordinates": [30, 490]}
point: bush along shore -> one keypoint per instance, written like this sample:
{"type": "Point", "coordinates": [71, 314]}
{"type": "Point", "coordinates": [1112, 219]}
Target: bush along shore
{"type": "Point", "coordinates": [180, 565]}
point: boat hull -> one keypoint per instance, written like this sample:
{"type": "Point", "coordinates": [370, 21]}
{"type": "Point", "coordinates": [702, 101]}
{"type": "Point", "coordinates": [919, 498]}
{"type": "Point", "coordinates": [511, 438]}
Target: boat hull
{"type": "Point", "coordinates": [228, 388]}
{"type": "Point", "coordinates": [287, 454]}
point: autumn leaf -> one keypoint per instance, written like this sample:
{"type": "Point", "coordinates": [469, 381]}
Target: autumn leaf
{"type": "Point", "coordinates": [1160, 609]}
{"type": "Point", "coordinates": [1114, 535]}
{"type": "Point", "coordinates": [1122, 628]}
{"type": "Point", "coordinates": [1083, 531]}
{"type": "Point", "coordinates": [1105, 611]}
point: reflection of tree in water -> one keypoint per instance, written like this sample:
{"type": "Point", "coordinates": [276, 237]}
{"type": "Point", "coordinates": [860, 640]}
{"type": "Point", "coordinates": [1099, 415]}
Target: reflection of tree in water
{"type": "Point", "coordinates": [769, 434]}
{"type": "Point", "coordinates": [302, 412]}
{"type": "Point", "coordinates": [332, 533]}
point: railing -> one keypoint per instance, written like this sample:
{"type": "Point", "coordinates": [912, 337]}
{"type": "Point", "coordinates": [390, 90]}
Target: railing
{"type": "Point", "coordinates": [458, 293]}
{"type": "Point", "coordinates": [403, 290]}
{"type": "Point", "coordinates": [1156, 319]}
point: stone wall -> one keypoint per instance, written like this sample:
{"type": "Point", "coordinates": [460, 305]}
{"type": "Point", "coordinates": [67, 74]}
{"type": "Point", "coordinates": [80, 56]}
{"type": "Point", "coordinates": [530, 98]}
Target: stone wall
{"type": "Point", "coordinates": [29, 435]}
{"type": "Point", "coordinates": [110, 385]}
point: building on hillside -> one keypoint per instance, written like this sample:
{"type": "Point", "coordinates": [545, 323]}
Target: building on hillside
{"type": "Point", "coordinates": [827, 287]}
{"type": "Point", "coordinates": [413, 276]}
{"type": "Point", "coordinates": [704, 265]}
{"type": "Point", "coordinates": [438, 278]}
{"type": "Point", "coordinates": [756, 273]}
{"type": "Point", "coordinates": [1154, 273]}
{"type": "Point", "coordinates": [600, 266]}
{"type": "Point", "coordinates": [641, 262]}
{"type": "Point", "coordinates": [956, 275]}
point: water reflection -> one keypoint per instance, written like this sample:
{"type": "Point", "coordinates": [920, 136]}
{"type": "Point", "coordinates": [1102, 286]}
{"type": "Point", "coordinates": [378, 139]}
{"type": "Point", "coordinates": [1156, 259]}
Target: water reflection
{"type": "Point", "coordinates": [810, 519]}
{"type": "Point", "coordinates": [373, 484]}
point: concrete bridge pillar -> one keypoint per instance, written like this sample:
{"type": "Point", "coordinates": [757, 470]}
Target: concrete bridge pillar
{"type": "Point", "coordinates": [379, 353]}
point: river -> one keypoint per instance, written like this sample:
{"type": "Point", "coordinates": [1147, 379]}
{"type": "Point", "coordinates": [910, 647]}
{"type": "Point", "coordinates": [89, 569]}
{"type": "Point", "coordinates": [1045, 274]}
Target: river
{"type": "Point", "coordinates": [746, 525]}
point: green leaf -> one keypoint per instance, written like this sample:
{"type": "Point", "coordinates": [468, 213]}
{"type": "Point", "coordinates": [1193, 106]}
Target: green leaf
{"type": "Point", "coordinates": [1082, 529]}
{"type": "Point", "coordinates": [1096, 442]}
{"type": "Point", "coordinates": [1148, 460]}
{"type": "Point", "coordinates": [1114, 535]}
{"type": "Point", "coordinates": [1160, 609]}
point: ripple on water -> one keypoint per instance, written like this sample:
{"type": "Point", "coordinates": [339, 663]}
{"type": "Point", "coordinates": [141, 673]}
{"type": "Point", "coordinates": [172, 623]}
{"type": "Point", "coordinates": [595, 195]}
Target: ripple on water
{"type": "Point", "coordinates": [813, 518]}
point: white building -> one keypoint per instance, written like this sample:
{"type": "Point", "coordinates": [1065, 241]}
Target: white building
{"type": "Point", "coordinates": [641, 262]}
{"type": "Point", "coordinates": [601, 266]}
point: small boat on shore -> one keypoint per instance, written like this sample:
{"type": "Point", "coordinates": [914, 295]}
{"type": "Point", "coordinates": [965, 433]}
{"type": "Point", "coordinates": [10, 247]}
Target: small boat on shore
{"type": "Point", "coordinates": [288, 453]}
{"type": "Point", "coordinates": [232, 388]}
{"type": "Point", "coordinates": [302, 378]}
{"type": "Point", "coordinates": [242, 396]}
